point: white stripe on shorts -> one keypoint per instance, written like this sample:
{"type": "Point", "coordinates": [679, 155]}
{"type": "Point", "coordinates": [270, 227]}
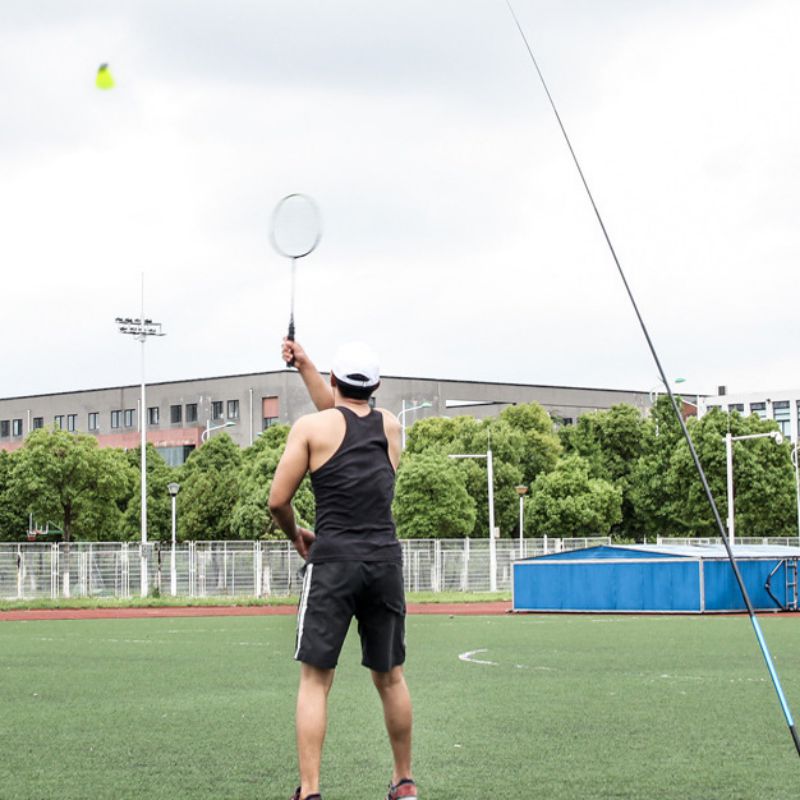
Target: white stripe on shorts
{"type": "Point", "coordinates": [301, 612]}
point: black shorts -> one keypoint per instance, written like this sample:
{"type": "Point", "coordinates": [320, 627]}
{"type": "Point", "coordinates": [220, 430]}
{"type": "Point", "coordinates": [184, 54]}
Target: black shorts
{"type": "Point", "coordinates": [336, 591]}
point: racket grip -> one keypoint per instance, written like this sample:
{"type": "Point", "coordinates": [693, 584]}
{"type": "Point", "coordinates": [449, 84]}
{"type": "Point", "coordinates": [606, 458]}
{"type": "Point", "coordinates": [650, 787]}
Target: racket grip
{"type": "Point", "coordinates": [290, 337]}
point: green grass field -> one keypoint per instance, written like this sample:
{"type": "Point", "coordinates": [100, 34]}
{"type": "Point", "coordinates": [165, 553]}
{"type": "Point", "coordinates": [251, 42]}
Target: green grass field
{"type": "Point", "coordinates": [570, 707]}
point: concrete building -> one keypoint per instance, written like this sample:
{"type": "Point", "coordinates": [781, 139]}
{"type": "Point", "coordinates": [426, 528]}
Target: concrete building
{"type": "Point", "coordinates": [180, 412]}
{"type": "Point", "coordinates": [782, 406]}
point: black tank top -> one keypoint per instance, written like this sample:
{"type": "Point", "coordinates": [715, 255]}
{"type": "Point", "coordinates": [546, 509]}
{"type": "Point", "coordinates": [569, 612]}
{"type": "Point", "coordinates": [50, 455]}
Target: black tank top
{"type": "Point", "coordinates": [354, 491]}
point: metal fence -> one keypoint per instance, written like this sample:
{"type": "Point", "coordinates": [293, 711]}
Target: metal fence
{"type": "Point", "coordinates": [242, 569]}
{"type": "Point", "coordinates": [785, 541]}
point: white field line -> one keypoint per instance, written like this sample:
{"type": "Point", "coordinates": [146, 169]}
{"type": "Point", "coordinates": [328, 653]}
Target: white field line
{"type": "Point", "coordinates": [468, 657]}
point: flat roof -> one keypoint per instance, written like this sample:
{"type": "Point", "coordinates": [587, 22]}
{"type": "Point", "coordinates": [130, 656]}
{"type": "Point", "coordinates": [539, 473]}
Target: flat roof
{"type": "Point", "coordinates": [294, 372]}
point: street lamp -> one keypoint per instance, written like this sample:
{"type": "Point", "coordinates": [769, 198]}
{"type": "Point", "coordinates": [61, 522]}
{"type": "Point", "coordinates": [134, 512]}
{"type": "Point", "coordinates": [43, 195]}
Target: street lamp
{"type": "Point", "coordinates": [141, 328]}
{"type": "Point", "coordinates": [209, 428]}
{"type": "Point", "coordinates": [492, 544]}
{"type": "Point", "coordinates": [173, 489]}
{"type": "Point", "coordinates": [654, 391]}
{"type": "Point", "coordinates": [797, 485]}
{"type": "Point", "coordinates": [521, 491]}
{"type": "Point", "coordinates": [729, 440]}
{"type": "Point", "coordinates": [696, 397]}
{"type": "Point", "coordinates": [402, 417]}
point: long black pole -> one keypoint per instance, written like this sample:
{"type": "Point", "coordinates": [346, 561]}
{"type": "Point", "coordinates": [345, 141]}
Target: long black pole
{"type": "Point", "coordinates": [700, 471]}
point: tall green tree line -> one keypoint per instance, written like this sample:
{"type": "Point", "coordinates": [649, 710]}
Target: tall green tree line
{"type": "Point", "coordinates": [614, 472]}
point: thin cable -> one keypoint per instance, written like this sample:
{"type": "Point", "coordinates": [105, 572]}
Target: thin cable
{"type": "Point", "coordinates": [701, 472]}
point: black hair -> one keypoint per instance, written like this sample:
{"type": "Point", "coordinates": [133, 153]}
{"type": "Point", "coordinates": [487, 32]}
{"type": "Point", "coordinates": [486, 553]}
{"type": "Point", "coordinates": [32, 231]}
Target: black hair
{"type": "Point", "coordinates": [356, 392]}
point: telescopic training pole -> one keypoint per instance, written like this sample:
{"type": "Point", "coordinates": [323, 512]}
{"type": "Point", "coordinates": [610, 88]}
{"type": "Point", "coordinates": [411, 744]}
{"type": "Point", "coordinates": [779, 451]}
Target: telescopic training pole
{"type": "Point", "coordinates": [706, 488]}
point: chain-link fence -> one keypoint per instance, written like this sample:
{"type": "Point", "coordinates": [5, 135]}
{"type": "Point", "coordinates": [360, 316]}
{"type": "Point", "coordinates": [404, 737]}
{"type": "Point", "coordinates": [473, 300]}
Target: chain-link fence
{"type": "Point", "coordinates": [243, 569]}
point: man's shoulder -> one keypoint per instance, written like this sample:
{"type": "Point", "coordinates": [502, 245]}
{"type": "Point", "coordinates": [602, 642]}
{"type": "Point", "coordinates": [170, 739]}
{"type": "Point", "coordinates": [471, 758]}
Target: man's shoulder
{"type": "Point", "coordinates": [317, 419]}
{"type": "Point", "coordinates": [388, 416]}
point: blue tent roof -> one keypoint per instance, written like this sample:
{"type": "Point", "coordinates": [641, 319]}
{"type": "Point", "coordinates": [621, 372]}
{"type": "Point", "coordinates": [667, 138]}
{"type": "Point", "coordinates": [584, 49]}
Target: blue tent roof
{"type": "Point", "coordinates": [640, 552]}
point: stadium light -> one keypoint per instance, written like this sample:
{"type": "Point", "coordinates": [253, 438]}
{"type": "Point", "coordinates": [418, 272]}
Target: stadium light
{"type": "Point", "coordinates": [141, 328]}
{"type": "Point", "coordinates": [729, 440]}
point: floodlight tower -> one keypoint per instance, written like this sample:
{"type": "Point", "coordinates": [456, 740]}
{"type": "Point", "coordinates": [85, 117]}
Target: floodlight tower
{"type": "Point", "coordinates": [140, 328]}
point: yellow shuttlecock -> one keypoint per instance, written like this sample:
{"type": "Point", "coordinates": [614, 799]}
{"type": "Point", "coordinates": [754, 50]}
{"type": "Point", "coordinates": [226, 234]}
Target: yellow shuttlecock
{"type": "Point", "coordinates": [104, 79]}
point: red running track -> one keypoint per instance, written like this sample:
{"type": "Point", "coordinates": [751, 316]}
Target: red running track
{"type": "Point", "coordinates": [452, 609]}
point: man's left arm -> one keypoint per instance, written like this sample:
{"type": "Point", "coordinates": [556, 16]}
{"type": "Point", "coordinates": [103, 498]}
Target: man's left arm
{"type": "Point", "coordinates": [290, 472]}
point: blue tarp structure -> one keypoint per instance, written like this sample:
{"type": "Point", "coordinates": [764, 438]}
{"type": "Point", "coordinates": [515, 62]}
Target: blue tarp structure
{"type": "Point", "coordinates": [656, 578]}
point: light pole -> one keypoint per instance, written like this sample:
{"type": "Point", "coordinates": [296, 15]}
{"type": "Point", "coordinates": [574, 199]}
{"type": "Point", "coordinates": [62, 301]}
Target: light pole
{"type": "Point", "coordinates": [521, 491]}
{"type": "Point", "coordinates": [402, 417]}
{"type": "Point", "coordinates": [797, 486]}
{"type": "Point", "coordinates": [140, 328]}
{"type": "Point", "coordinates": [729, 440]}
{"type": "Point", "coordinates": [173, 489]}
{"type": "Point", "coordinates": [696, 397]}
{"type": "Point", "coordinates": [492, 544]}
{"type": "Point", "coordinates": [209, 428]}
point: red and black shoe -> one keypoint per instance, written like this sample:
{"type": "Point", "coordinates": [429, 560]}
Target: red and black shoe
{"type": "Point", "coordinates": [404, 789]}
{"type": "Point", "coordinates": [296, 796]}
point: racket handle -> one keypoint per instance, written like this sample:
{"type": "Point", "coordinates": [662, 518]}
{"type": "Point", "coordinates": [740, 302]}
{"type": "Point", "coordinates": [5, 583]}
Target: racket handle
{"type": "Point", "coordinates": [290, 337]}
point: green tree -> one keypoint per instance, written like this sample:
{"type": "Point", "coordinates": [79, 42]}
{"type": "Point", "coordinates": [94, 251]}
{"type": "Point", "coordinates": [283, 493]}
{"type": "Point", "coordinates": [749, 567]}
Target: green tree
{"type": "Point", "coordinates": [13, 520]}
{"type": "Point", "coordinates": [611, 442]}
{"type": "Point", "coordinates": [523, 445]}
{"type": "Point", "coordinates": [568, 502]}
{"type": "Point", "coordinates": [541, 447]}
{"type": "Point", "coordinates": [67, 479]}
{"type": "Point", "coordinates": [159, 503]}
{"type": "Point", "coordinates": [668, 496]}
{"type": "Point", "coordinates": [210, 489]}
{"type": "Point", "coordinates": [251, 518]}
{"type": "Point", "coordinates": [431, 500]}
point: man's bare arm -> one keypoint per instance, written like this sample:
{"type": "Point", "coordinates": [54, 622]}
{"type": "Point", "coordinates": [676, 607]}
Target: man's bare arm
{"type": "Point", "coordinates": [290, 472]}
{"type": "Point", "coordinates": [320, 392]}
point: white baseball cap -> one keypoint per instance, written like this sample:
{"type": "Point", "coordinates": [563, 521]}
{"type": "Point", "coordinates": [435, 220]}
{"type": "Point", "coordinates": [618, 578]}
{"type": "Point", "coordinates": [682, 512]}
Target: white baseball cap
{"type": "Point", "coordinates": [356, 364]}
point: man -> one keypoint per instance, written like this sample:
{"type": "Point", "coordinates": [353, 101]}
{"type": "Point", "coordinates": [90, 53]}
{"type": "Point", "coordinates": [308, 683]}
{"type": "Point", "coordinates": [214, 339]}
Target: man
{"type": "Point", "coordinates": [353, 559]}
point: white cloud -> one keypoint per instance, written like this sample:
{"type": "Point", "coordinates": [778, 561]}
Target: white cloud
{"type": "Point", "coordinates": [456, 235]}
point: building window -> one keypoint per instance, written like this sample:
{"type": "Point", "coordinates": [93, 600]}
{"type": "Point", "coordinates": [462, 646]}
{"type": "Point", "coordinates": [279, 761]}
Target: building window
{"type": "Point", "coordinates": [175, 456]}
{"type": "Point", "coordinates": [783, 413]}
{"type": "Point", "coordinates": [94, 421]}
{"type": "Point", "coordinates": [38, 422]}
{"type": "Point", "coordinates": [58, 421]}
{"type": "Point", "coordinates": [175, 414]}
{"type": "Point", "coordinates": [16, 427]}
{"type": "Point", "coordinates": [233, 409]}
{"type": "Point", "coordinates": [72, 422]}
{"type": "Point", "coordinates": [736, 407]}
{"type": "Point", "coordinates": [130, 417]}
{"type": "Point", "coordinates": [5, 428]}
{"type": "Point", "coordinates": [152, 415]}
{"type": "Point", "coordinates": [191, 412]}
{"type": "Point", "coordinates": [269, 412]}
{"type": "Point", "coordinates": [760, 409]}
{"type": "Point", "coordinates": [116, 418]}
{"type": "Point", "coordinates": [216, 409]}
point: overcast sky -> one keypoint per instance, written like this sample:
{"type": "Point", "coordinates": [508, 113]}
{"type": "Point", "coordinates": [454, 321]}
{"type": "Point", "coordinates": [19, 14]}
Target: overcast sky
{"type": "Point", "coordinates": [457, 237]}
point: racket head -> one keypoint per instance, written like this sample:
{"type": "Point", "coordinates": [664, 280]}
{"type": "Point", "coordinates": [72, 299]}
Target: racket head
{"type": "Point", "coordinates": [296, 226]}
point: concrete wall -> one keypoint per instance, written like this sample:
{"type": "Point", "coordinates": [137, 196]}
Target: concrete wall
{"type": "Point", "coordinates": [447, 398]}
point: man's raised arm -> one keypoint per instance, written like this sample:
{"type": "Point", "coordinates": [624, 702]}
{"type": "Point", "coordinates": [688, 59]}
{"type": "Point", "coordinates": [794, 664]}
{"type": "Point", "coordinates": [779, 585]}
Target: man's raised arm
{"type": "Point", "coordinates": [320, 392]}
